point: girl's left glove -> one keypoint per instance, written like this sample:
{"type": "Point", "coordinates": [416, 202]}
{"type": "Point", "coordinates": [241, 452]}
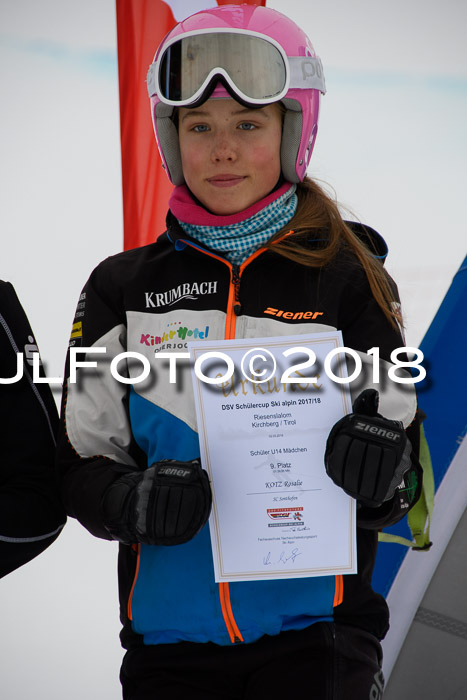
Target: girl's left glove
{"type": "Point", "coordinates": [166, 504]}
{"type": "Point", "coordinates": [367, 455]}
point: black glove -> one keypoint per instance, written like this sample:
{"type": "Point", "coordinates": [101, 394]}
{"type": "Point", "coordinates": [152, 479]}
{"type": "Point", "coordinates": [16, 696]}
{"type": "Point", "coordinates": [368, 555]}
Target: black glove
{"type": "Point", "coordinates": [166, 504]}
{"type": "Point", "coordinates": [367, 455]}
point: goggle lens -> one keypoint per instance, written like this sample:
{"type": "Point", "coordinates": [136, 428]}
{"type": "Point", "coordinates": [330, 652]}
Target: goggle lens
{"type": "Point", "coordinates": [255, 66]}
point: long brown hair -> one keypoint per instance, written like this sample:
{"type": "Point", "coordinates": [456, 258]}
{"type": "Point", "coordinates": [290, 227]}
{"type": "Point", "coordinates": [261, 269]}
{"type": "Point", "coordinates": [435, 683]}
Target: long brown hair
{"type": "Point", "coordinates": [318, 213]}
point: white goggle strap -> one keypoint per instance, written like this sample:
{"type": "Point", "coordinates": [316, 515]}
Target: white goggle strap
{"type": "Point", "coordinates": [151, 80]}
{"type": "Point", "coordinates": [305, 73]}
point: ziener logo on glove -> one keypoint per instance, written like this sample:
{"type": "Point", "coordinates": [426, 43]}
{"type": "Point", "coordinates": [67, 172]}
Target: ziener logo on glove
{"type": "Point", "coordinates": [379, 432]}
{"type": "Point", "coordinates": [174, 471]}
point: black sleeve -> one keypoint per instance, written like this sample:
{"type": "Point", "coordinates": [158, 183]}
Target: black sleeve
{"type": "Point", "coordinates": [31, 514]}
{"type": "Point", "coordinates": [365, 326]}
{"type": "Point", "coordinates": [95, 443]}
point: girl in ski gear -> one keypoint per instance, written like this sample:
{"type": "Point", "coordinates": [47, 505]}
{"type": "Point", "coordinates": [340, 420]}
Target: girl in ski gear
{"type": "Point", "coordinates": [253, 248]}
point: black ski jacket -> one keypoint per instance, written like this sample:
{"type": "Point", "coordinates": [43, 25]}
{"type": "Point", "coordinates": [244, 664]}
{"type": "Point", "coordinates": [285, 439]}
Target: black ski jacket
{"type": "Point", "coordinates": [155, 299]}
{"type": "Point", "coordinates": [31, 514]}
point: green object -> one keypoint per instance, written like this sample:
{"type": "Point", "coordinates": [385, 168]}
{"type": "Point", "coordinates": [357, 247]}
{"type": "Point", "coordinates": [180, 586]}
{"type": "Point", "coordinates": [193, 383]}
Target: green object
{"type": "Point", "coordinates": [419, 517]}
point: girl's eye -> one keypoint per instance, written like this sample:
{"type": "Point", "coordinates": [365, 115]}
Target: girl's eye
{"type": "Point", "coordinates": [200, 128]}
{"type": "Point", "coordinates": [247, 126]}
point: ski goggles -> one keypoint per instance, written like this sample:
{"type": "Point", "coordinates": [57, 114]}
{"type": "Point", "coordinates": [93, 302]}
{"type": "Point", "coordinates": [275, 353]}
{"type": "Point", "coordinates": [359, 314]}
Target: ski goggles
{"type": "Point", "coordinates": [255, 68]}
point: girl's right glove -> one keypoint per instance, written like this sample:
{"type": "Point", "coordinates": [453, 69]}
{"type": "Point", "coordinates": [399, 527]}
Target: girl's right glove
{"type": "Point", "coordinates": [166, 504]}
{"type": "Point", "coordinates": [367, 455]}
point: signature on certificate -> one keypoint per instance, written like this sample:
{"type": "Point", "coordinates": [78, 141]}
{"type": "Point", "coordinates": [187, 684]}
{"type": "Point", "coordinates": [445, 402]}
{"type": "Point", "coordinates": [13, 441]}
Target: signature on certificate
{"type": "Point", "coordinates": [284, 558]}
{"type": "Point", "coordinates": [300, 528]}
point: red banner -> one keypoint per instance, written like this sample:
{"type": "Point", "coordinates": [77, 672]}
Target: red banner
{"type": "Point", "coordinates": [141, 26]}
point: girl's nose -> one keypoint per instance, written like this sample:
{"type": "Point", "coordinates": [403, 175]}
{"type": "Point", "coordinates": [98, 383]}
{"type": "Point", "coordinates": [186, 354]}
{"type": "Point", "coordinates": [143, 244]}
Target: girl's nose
{"type": "Point", "coordinates": [223, 149]}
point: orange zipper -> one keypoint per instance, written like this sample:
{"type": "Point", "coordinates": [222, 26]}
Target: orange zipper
{"type": "Point", "coordinates": [231, 317]}
{"type": "Point", "coordinates": [135, 548]}
{"type": "Point", "coordinates": [233, 301]}
{"type": "Point", "coordinates": [338, 591]}
{"type": "Point", "coordinates": [224, 595]}
{"type": "Point", "coordinates": [230, 325]}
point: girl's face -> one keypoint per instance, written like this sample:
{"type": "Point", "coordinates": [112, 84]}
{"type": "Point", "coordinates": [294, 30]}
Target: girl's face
{"type": "Point", "coordinates": [230, 154]}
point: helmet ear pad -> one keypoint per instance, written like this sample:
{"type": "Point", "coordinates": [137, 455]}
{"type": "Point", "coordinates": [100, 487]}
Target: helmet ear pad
{"type": "Point", "coordinates": [291, 136]}
{"type": "Point", "coordinates": [167, 137]}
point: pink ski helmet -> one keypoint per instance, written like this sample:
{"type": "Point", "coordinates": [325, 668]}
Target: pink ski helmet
{"type": "Point", "coordinates": [255, 55]}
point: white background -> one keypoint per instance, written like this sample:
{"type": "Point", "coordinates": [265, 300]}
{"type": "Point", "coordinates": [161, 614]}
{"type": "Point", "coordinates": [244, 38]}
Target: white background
{"type": "Point", "coordinates": [391, 142]}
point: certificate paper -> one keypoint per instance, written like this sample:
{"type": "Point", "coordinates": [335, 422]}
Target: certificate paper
{"type": "Point", "coordinates": [276, 513]}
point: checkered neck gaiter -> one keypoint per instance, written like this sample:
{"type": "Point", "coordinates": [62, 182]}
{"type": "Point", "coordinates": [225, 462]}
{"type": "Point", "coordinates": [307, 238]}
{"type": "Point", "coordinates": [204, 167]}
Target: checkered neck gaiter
{"type": "Point", "coordinates": [237, 241]}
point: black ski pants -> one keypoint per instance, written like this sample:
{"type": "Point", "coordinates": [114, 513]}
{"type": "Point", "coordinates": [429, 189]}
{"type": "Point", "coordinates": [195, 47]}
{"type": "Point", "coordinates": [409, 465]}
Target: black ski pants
{"type": "Point", "coordinates": [326, 661]}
